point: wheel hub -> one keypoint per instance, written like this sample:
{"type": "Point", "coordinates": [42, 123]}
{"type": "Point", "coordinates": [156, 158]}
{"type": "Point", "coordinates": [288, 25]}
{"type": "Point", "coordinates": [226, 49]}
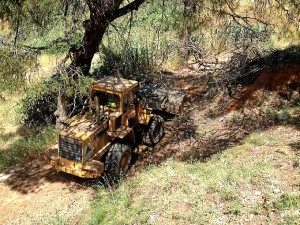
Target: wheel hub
{"type": "Point", "coordinates": [124, 161]}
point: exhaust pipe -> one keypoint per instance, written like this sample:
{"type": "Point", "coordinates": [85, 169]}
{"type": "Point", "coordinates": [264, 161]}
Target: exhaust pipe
{"type": "Point", "coordinates": [97, 109]}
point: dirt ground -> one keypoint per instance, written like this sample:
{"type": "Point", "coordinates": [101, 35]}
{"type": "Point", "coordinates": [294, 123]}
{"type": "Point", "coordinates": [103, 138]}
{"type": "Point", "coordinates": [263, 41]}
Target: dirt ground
{"type": "Point", "coordinates": [35, 193]}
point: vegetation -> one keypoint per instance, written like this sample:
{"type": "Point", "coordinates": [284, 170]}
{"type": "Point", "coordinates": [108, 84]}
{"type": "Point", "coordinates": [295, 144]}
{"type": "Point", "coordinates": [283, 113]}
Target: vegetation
{"type": "Point", "coordinates": [29, 145]}
{"type": "Point", "coordinates": [13, 70]}
{"type": "Point", "coordinates": [175, 30]}
{"type": "Point", "coordinates": [287, 201]}
{"type": "Point", "coordinates": [19, 142]}
{"type": "Point", "coordinates": [228, 44]}
{"type": "Point", "coordinates": [238, 185]}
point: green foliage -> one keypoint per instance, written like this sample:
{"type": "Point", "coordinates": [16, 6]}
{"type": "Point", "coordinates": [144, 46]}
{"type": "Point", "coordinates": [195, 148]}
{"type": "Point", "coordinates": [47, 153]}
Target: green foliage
{"type": "Point", "coordinates": [157, 29]}
{"type": "Point", "coordinates": [39, 103]}
{"type": "Point", "coordinates": [39, 22]}
{"type": "Point", "coordinates": [38, 15]}
{"type": "Point", "coordinates": [130, 62]}
{"type": "Point", "coordinates": [271, 112]}
{"type": "Point", "coordinates": [38, 11]}
{"type": "Point", "coordinates": [58, 48]}
{"type": "Point", "coordinates": [35, 39]}
{"type": "Point", "coordinates": [14, 69]}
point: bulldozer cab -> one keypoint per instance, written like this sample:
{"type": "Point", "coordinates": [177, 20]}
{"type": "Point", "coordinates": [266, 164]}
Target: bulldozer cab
{"type": "Point", "coordinates": [107, 102]}
{"type": "Point", "coordinates": [113, 98]}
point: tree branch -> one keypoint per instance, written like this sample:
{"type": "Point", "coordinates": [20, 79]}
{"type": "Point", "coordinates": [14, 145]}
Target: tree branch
{"type": "Point", "coordinates": [286, 10]}
{"type": "Point", "coordinates": [245, 19]}
{"type": "Point", "coordinates": [126, 9]}
{"type": "Point", "coordinates": [56, 41]}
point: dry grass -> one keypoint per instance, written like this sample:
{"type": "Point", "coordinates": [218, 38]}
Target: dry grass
{"type": "Point", "coordinates": [47, 64]}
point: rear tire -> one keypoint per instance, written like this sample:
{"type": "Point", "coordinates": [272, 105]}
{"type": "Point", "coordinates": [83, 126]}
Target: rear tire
{"type": "Point", "coordinates": [154, 131]}
{"type": "Point", "coordinates": [117, 161]}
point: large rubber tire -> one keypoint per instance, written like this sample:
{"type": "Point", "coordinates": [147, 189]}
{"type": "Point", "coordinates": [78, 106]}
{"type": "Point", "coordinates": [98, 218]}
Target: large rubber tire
{"type": "Point", "coordinates": [117, 161]}
{"type": "Point", "coordinates": [154, 131]}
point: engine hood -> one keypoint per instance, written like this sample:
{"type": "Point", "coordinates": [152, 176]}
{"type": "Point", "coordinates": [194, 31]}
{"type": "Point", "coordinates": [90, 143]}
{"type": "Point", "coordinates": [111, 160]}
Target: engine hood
{"type": "Point", "coordinates": [83, 127]}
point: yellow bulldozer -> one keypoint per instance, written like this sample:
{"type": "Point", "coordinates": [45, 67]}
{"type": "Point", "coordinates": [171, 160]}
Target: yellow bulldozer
{"type": "Point", "coordinates": [101, 140]}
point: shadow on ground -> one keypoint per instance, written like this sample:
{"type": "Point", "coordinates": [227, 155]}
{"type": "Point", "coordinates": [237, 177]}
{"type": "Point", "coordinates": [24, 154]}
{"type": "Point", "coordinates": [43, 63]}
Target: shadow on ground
{"type": "Point", "coordinates": [29, 177]}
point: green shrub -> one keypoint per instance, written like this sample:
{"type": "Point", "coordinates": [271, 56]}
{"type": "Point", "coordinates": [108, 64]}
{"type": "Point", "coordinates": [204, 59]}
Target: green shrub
{"type": "Point", "coordinates": [39, 102]}
{"type": "Point", "coordinates": [14, 69]}
{"type": "Point", "coordinates": [129, 62]}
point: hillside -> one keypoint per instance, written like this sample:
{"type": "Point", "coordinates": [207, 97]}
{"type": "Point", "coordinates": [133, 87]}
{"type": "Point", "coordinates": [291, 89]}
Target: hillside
{"type": "Point", "coordinates": [254, 182]}
{"type": "Point", "coordinates": [208, 170]}
{"type": "Point", "coordinates": [231, 157]}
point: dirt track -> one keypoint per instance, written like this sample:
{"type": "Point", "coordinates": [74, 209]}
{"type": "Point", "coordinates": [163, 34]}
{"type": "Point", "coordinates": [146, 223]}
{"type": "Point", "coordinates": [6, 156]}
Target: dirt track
{"type": "Point", "coordinates": [35, 193]}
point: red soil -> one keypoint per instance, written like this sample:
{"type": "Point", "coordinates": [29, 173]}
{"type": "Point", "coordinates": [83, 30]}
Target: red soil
{"type": "Point", "coordinates": [272, 80]}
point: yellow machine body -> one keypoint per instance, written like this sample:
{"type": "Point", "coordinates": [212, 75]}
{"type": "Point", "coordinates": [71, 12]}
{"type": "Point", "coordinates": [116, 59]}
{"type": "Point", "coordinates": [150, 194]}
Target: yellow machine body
{"type": "Point", "coordinates": [114, 112]}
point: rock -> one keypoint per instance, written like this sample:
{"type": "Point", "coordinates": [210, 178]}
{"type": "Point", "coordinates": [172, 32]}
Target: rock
{"type": "Point", "coordinates": [275, 182]}
{"type": "Point", "coordinates": [283, 116]}
{"type": "Point", "coordinates": [4, 177]}
{"type": "Point", "coordinates": [153, 218]}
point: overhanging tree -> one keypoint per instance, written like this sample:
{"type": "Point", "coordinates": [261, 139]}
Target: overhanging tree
{"type": "Point", "coordinates": [102, 13]}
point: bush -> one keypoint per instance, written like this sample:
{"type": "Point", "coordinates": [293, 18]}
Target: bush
{"type": "Point", "coordinates": [14, 69]}
{"type": "Point", "coordinates": [39, 102]}
{"type": "Point", "coordinates": [129, 62]}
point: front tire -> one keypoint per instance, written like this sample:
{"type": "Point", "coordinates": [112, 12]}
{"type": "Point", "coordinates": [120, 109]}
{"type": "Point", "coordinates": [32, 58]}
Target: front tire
{"type": "Point", "coordinates": [154, 131]}
{"type": "Point", "coordinates": [118, 160]}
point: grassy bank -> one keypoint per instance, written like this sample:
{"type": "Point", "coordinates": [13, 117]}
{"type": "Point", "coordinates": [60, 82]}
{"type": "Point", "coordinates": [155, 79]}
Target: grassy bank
{"type": "Point", "coordinates": [242, 185]}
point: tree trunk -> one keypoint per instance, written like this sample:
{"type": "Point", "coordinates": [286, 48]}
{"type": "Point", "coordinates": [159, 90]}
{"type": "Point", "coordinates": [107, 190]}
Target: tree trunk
{"type": "Point", "coordinates": [188, 13]}
{"type": "Point", "coordinates": [184, 45]}
{"type": "Point", "coordinates": [80, 65]}
{"type": "Point", "coordinates": [61, 112]}
{"type": "Point", "coordinates": [83, 56]}
{"type": "Point", "coordinates": [102, 13]}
